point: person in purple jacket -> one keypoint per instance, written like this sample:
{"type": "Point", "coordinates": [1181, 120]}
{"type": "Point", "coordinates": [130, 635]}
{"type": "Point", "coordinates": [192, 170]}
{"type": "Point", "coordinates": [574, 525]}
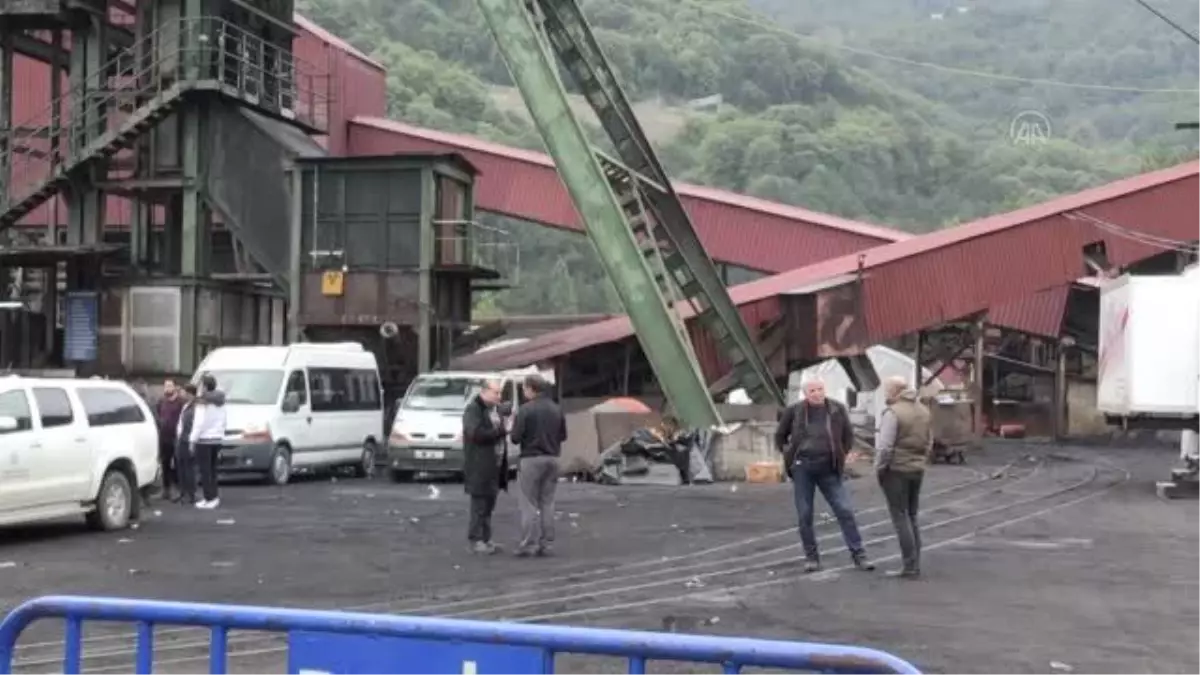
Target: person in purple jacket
{"type": "Point", "coordinates": [167, 412]}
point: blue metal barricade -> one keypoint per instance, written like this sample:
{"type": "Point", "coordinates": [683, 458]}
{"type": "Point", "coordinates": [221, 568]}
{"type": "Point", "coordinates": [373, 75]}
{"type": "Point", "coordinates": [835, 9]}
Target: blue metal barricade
{"type": "Point", "coordinates": [344, 642]}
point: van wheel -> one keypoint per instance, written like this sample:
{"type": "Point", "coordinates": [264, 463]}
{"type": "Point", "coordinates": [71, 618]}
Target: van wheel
{"type": "Point", "coordinates": [399, 476]}
{"type": "Point", "coordinates": [280, 471]}
{"type": "Point", "coordinates": [366, 464]}
{"type": "Point", "coordinates": [114, 503]}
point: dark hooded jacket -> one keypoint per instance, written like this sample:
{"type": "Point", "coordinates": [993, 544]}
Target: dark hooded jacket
{"type": "Point", "coordinates": [794, 428]}
{"type": "Point", "coordinates": [485, 456]}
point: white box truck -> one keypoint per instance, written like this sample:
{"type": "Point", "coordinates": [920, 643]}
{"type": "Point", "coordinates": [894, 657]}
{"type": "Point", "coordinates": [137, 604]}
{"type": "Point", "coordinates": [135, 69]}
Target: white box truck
{"type": "Point", "coordinates": [1148, 370]}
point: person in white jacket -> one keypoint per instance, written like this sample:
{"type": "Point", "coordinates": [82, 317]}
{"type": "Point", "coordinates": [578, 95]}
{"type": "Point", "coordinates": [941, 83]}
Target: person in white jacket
{"type": "Point", "coordinates": [208, 432]}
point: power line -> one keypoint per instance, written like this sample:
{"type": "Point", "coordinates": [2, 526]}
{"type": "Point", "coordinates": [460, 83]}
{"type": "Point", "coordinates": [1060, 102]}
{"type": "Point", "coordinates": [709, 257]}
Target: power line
{"type": "Point", "coordinates": [772, 28]}
{"type": "Point", "coordinates": [1168, 20]}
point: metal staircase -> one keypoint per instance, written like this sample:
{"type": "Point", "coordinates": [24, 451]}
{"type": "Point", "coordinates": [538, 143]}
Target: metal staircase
{"type": "Point", "coordinates": [688, 266]}
{"type": "Point", "coordinates": [136, 90]}
{"type": "Point", "coordinates": [657, 222]}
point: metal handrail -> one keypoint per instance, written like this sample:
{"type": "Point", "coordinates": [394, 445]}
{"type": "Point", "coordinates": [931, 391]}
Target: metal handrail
{"type": "Point", "coordinates": [639, 647]}
{"type": "Point", "coordinates": [204, 49]}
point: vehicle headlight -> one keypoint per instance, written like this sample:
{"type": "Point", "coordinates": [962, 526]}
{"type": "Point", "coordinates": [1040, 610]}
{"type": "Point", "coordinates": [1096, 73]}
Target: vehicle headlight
{"type": "Point", "coordinates": [256, 432]}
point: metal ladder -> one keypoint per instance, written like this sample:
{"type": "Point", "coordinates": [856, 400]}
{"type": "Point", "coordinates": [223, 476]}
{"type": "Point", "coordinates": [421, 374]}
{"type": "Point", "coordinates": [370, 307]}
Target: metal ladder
{"type": "Point", "coordinates": [687, 266]}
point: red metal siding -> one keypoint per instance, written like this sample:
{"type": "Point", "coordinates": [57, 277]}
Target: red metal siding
{"type": "Point", "coordinates": [1041, 313]}
{"type": "Point", "coordinates": [735, 229]}
{"type": "Point", "coordinates": [357, 84]}
{"type": "Point", "coordinates": [952, 273]}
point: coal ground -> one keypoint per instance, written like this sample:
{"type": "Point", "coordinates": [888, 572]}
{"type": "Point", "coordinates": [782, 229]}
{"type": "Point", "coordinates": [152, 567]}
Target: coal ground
{"type": "Point", "coordinates": [1107, 584]}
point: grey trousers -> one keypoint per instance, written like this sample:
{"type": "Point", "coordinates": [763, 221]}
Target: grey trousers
{"type": "Point", "coordinates": [903, 493]}
{"type": "Point", "coordinates": [537, 480]}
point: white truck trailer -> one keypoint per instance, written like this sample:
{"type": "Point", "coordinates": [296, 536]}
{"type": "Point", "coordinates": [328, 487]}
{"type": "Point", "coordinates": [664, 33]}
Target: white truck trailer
{"type": "Point", "coordinates": [1149, 361]}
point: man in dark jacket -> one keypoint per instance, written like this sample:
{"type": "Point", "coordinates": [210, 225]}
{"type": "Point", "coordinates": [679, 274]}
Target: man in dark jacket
{"type": "Point", "coordinates": [484, 465]}
{"type": "Point", "coordinates": [185, 458]}
{"type": "Point", "coordinates": [814, 436]}
{"type": "Point", "coordinates": [167, 414]}
{"type": "Point", "coordinates": [540, 430]}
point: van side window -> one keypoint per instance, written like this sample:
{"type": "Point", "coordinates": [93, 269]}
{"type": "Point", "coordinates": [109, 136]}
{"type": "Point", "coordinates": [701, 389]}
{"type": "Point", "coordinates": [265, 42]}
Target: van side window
{"type": "Point", "coordinates": [328, 389]}
{"type": "Point", "coordinates": [509, 393]}
{"type": "Point", "coordinates": [54, 407]}
{"type": "Point", "coordinates": [106, 407]}
{"type": "Point", "coordinates": [341, 389]}
{"type": "Point", "coordinates": [295, 385]}
{"type": "Point", "coordinates": [15, 404]}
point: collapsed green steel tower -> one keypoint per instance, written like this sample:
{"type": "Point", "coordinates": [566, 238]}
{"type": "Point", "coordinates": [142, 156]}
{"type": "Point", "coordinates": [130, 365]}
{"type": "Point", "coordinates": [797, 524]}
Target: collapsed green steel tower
{"type": "Point", "coordinates": [641, 232]}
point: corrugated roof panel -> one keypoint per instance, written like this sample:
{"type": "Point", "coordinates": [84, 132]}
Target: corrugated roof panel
{"type": "Point", "coordinates": [1040, 313]}
{"type": "Point", "coordinates": [953, 273]}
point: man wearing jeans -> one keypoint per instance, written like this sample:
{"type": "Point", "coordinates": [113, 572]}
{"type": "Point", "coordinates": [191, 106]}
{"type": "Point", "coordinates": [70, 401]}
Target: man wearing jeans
{"type": "Point", "coordinates": [539, 429]}
{"type": "Point", "coordinates": [814, 436]}
{"type": "Point", "coordinates": [902, 446]}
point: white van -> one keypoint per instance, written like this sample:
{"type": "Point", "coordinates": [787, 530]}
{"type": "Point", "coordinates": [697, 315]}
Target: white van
{"type": "Point", "coordinates": [426, 434]}
{"type": "Point", "coordinates": [309, 405]}
{"type": "Point", "coordinates": [72, 447]}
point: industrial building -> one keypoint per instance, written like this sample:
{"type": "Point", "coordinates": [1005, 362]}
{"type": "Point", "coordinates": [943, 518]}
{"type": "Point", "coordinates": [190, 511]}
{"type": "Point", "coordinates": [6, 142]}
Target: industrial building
{"type": "Point", "coordinates": [192, 173]}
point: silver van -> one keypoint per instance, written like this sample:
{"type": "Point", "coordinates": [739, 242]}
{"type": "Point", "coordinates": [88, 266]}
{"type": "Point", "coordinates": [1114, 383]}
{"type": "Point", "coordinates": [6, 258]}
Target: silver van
{"type": "Point", "coordinates": [426, 433]}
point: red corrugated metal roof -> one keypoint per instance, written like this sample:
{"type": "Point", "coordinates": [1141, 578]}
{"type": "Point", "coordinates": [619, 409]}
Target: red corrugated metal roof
{"type": "Point", "coordinates": [735, 229]}
{"type": "Point", "coordinates": [1040, 313]}
{"type": "Point", "coordinates": [942, 276]}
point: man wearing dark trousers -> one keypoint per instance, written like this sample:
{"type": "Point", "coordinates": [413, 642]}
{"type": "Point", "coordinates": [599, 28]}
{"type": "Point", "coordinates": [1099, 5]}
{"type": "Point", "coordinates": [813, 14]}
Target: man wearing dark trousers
{"type": "Point", "coordinates": [902, 446]}
{"type": "Point", "coordinates": [208, 432]}
{"type": "Point", "coordinates": [814, 436]}
{"type": "Point", "coordinates": [485, 468]}
{"type": "Point", "coordinates": [167, 413]}
{"type": "Point", "coordinates": [540, 430]}
{"type": "Point", "coordinates": [185, 458]}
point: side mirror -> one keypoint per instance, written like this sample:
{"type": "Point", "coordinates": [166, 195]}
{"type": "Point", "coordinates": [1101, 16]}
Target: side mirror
{"type": "Point", "coordinates": [291, 402]}
{"type": "Point", "coordinates": [8, 424]}
{"type": "Point", "coordinates": [851, 397]}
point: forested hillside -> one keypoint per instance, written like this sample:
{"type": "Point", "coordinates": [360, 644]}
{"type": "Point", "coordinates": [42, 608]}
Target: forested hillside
{"type": "Point", "coordinates": [897, 112]}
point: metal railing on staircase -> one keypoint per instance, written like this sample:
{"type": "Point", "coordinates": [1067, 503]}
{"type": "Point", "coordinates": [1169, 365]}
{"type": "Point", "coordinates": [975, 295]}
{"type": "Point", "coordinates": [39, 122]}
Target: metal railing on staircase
{"type": "Point", "coordinates": [121, 100]}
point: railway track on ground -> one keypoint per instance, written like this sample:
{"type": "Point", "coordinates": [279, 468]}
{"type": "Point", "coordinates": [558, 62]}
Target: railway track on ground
{"type": "Point", "coordinates": [951, 514]}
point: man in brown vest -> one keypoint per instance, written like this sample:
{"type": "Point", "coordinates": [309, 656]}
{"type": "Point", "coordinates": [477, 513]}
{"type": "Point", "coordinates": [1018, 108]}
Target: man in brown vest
{"type": "Point", "coordinates": [902, 446]}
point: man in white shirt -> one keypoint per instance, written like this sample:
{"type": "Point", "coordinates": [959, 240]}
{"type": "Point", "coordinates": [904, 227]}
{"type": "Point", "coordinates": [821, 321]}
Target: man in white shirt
{"type": "Point", "coordinates": [208, 432]}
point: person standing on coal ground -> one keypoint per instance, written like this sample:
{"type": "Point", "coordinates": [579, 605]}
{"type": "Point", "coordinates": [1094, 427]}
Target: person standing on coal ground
{"type": "Point", "coordinates": [903, 444]}
{"type": "Point", "coordinates": [485, 463]}
{"type": "Point", "coordinates": [185, 456]}
{"type": "Point", "coordinates": [208, 432]}
{"type": "Point", "coordinates": [540, 430]}
{"type": "Point", "coordinates": [167, 414]}
{"type": "Point", "coordinates": [814, 435]}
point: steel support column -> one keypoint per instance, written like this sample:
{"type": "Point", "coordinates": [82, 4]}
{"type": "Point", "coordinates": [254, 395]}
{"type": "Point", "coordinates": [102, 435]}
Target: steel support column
{"type": "Point", "coordinates": [85, 204]}
{"type": "Point", "coordinates": [535, 73]}
{"type": "Point", "coordinates": [425, 328]}
{"type": "Point", "coordinates": [6, 107]}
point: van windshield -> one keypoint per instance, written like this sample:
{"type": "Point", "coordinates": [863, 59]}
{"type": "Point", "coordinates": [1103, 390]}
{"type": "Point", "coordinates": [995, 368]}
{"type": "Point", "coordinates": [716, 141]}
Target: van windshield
{"type": "Point", "coordinates": [251, 387]}
{"type": "Point", "coordinates": [436, 393]}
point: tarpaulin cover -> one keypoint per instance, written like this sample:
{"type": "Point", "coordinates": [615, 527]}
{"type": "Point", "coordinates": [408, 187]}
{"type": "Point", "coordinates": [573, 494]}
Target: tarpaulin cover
{"type": "Point", "coordinates": [645, 458]}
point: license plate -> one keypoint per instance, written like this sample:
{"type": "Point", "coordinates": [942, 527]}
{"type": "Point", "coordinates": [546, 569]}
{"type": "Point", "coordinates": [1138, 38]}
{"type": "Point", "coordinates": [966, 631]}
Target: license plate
{"type": "Point", "coordinates": [430, 454]}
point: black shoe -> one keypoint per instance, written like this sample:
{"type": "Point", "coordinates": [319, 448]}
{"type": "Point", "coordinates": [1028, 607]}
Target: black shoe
{"type": "Point", "coordinates": [902, 574]}
{"type": "Point", "coordinates": [811, 565]}
{"type": "Point", "coordinates": [544, 552]}
{"type": "Point", "coordinates": [862, 562]}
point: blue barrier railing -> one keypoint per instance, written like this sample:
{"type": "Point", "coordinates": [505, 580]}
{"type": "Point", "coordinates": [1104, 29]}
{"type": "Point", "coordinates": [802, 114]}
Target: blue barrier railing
{"type": "Point", "coordinates": [345, 642]}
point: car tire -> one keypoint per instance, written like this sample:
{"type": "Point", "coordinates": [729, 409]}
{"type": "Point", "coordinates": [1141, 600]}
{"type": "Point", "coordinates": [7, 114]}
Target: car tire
{"type": "Point", "coordinates": [399, 476]}
{"type": "Point", "coordinates": [279, 471]}
{"type": "Point", "coordinates": [115, 503]}
{"type": "Point", "coordinates": [366, 464]}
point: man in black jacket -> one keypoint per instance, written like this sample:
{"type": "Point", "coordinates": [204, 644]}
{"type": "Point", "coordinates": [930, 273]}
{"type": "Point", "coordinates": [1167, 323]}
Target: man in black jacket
{"type": "Point", "coordinates": [185, 457]}
{"type": "Point", "coordinates": [484, 465]}
{"type": "Point", "coordinates": [814, 436]}
{"type": "Point", "coordinates": [540, 430]}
